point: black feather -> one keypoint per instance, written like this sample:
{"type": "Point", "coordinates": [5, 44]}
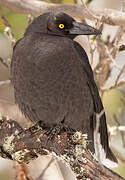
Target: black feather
{"type": "Point", "coordinates": [53, 80]}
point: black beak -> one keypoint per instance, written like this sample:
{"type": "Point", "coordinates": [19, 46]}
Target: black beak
{"type": "Point", "coordinates": [83, 29]}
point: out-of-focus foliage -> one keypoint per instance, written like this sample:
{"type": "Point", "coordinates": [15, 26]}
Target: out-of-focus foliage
{"type": "Point", "coordinates": [113, 101]}
{"type": "Point", "coordinates": [121, 169]}
{"type": "Point", "coordinates": [17, 21]}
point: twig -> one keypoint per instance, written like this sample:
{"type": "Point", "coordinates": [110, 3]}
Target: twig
{"type": "Point", "coordinates": [22, 172]}
{"type": "Point", "coordinates": [111, 58]}
{"type": "Point", "coordinates": [123, 5]}
{"type": "Point", "coordinates": [117, 79]}
{"type": "Point", "coordinates": [30, 18]}
{"type": "Point", "coordinates": [96, 134]}
{"type": "Point", "coordinates": [106, 59]}
{"type": "Point", "coordinates": [10, 34]}
{"type": "Point", "coordinates": [5, 82]}
{"type": "Point", "coordinates": [5, 63]}
{"type": "Point", "coordinates": [8, 29]}
{"type": "Point", "coordinates": [88, 10]}
{"type": "Point", "coordinates": [92, 50]}
{"type": "Point", "coordinates": [119, 34]}
{"type": "Point", "coordinates": [49, 163]}
{"type": "Point", "coordinates": [5, 22]}
{"type": "Point", "coordinates": [36, 8]}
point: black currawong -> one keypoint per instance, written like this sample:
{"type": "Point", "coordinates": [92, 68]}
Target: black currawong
{"type": "Point", "coordinates": [54, 83]}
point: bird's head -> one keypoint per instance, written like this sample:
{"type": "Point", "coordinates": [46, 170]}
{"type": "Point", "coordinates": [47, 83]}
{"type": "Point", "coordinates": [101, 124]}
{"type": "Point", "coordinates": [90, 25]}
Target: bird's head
{"type": "Point", "coordinates": [60, 24]}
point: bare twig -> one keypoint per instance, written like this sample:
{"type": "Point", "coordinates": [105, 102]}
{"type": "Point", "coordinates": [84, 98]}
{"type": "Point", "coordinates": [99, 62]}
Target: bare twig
{"type": "Point", "coordinates": [22, 172]}
{"type": "Point", "coordinates": [107, 57]}
{"type": "Point", "coordinates": [4, 82]}
{"type": "Point", "coordinates": [123, 5]}
{"type": "Point", "coordinates": [8, 29]}
{"type": "Point", "coordinates": [119, 34]}
{"type": "Point", "coordinates": [30, 18]}
{"type": "Point", "coordinates": [10, 34]}
{"type": "Point", "coordinates": [5, 21]}
{"type": "Point", "coordinates": [36, 8]}
{"type": "Point", "coordinates": [92, 50]}
{"type": "Point", "coordinates": [5, 63]}
{"type": "Point", "coordinates": [117, 79]}
{"type": "Point", "coordinates": [88, 10]}
{"type": "Point", "coordinates": [96, 134]}
{"type": "Point", "coordinates": [49, 163]}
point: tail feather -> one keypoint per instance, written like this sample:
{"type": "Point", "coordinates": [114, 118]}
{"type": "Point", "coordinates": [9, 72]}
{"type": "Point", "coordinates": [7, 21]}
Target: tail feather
{"type": "Point", "coordinates": [101, 144]}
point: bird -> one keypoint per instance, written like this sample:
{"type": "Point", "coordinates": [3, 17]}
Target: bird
{"type": "Point", "coordinates": [54, 82]}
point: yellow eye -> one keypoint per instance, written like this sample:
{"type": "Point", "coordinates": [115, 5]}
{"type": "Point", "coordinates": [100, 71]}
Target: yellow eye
{"type": "Point", "coordinates": [61, 26]}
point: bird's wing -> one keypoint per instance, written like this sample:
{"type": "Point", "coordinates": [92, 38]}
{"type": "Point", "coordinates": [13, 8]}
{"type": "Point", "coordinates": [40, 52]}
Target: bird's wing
{"type": "Point", "coordinates": [87, 68]}
{"type": "Point", "coordinates": [100, 132]}
{"type": "Point", "coordinates": [43, 75]}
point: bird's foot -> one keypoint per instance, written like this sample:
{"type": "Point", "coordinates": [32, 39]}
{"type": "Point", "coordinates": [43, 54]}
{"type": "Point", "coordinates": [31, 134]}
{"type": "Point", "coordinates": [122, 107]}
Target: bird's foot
{"type": "Point", "coordinates": [54, 131]}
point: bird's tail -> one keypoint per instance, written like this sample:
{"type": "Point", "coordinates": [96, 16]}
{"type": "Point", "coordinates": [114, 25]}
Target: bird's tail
{"type": "Point", "coordinates": [101, 144]}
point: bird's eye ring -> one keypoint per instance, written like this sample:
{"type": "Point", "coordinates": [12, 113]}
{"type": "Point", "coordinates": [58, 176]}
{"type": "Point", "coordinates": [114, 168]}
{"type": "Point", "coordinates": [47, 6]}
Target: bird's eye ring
{"type": "Point", "coordinates": [61, 26]}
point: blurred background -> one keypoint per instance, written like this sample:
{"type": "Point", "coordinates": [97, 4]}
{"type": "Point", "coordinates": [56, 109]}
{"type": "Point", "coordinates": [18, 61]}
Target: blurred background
{"type": "Point", "coordinates": [109, 75]}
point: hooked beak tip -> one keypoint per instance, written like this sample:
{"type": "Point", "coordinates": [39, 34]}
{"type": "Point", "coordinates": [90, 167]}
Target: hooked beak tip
{"type": "Point", "coordinates": [84, 29]}
{"type": "Point", "coordinates": [97, 32]}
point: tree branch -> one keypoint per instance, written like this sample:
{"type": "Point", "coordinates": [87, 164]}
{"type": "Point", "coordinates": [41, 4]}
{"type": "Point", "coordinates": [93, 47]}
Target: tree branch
{"type": "Point", "coordinates": [36, 8]}
{"type": "Point", "coordinates": [24, 145]}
